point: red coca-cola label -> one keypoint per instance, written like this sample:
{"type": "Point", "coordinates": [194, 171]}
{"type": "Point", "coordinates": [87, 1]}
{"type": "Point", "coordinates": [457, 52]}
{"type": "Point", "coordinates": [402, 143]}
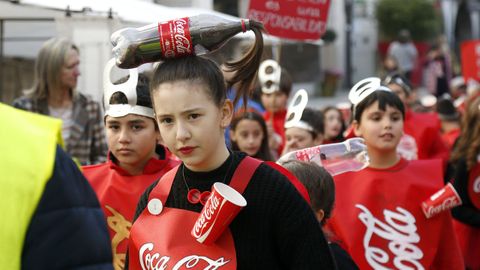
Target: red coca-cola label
{"type": "Point", "coordinates": [208, 216]}
{"type": "Point", "coordinates": [175, 39]}
{"type": "Point", "coordinates": [444, 199]}
{"type": "Point", "coordinates": [432, 210]}
{"type": "Point", "coordinates": [307, 153]}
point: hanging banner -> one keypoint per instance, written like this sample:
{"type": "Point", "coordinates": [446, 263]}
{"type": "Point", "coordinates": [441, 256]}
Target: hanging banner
{"type": "Point", "coordinates": [470, 56]}
{"type": "Point", "coordinates": [293, 19]}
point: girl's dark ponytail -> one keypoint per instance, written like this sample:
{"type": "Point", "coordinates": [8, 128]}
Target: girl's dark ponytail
{"type": "Point", "coordinates": [245, 69]}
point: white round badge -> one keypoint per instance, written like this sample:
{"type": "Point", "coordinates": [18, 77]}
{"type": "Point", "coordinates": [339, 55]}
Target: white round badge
{"type": "Point", "coordinates": [155, 206]}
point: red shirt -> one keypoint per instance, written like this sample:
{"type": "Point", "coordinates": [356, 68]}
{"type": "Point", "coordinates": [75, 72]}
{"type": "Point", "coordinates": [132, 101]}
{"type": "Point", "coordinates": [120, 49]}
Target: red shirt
{"type": "Point", "coordinates": [118, 193]}
{"type": "Point", "coordinates": [278, 125]}
{"type": "Point", "coordinates": [378, 215]}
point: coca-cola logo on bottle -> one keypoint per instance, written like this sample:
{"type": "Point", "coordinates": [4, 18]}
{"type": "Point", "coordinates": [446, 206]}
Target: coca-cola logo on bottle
{"type": "Point", "coordinates": [208, 215]}
{"type": "Point", "coordinates": [183, 42]}
{"type": "Point", "coordinates": [175, 38]}
{"type": "Point", "coordinates": [150, 260]}
{"type": "Point", "coordinates": [307, 153]}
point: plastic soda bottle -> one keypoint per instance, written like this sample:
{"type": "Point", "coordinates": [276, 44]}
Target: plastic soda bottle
{"type": "Point", "coordinates": [336, 158]}
{"type": "Point", "coordinates": [194, 35]}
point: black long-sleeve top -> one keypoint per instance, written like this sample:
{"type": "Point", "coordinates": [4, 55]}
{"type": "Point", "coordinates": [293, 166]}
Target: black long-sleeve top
{"type": "Point", "coordinates": [276, 230]}
{"type": "Point", "coordinates": [466, 212]}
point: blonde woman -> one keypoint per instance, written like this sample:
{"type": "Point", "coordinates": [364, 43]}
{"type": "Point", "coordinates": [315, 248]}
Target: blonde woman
{"type": "Point", "coordinates": [53, 93]}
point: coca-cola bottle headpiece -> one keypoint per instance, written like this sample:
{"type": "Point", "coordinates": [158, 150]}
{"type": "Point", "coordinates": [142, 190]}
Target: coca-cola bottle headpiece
{"type": "Point", "coordinates": [191, 36]}
{"type": "Point", "coordinates": [180, 37]}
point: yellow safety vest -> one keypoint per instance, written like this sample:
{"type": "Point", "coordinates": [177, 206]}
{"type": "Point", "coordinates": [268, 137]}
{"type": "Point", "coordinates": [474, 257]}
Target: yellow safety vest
{"type": "Point", "coordinates": [27, 156]}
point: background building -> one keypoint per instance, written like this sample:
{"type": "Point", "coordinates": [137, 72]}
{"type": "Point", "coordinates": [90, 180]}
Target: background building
{"type": "Point", "coordinates": [336, 64]}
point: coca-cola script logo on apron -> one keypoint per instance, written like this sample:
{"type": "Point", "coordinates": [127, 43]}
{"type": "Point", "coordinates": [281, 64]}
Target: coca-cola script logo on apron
{"type": "Point", "coordinates": [175, 38]}
{"type": "Point", "coordinates": [401, 233]}
{"type": "Point", "coordinates": [155, 261]}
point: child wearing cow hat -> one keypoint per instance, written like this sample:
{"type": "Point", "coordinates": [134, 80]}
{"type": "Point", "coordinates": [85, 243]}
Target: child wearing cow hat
{"type": "Point", "coordinates": [378, 216]}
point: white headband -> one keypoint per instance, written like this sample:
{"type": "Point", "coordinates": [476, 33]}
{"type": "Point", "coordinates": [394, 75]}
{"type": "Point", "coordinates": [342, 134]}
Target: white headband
{"type": "Point", "coordinates": [295, 111]}
{"type": "Point", "coordinates": [364, 88]}
{"type": "Point", "coordinates": [128, 88]}
{"type": "Point", "coordinates": [269, 74]}
{"type": "Point", "coordinates": [301, 124]}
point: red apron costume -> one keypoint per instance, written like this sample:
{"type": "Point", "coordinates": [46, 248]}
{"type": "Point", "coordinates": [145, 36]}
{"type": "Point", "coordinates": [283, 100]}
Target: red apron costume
{"type": "Point", "coordinates": [118, 193]}
{"type": "Point", "coordinates": [425, 129]}
{"type": "Point", "coordinates": [379, 221]}
{"type": "Point", "coordinates": [469, 236]}
{"type": "Point", "coordinates": [163, 241]}
{"type": "Point", "coordinates": [278, 125]}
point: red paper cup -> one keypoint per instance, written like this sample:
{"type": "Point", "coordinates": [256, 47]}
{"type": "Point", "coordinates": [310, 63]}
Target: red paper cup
{"type": "Point", "coordinates": [219, 211]}
{"type": "Point", "coordinates": [444, 199]}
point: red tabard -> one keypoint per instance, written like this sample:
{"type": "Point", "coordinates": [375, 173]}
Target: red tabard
{"type": "Point", "coordinates": [164, 241]}
{"type": "Point", "coordinates": [425, 129]}
{"type": "Point", "coordinates": [118, 193]}
{"type": "Point", "coordinates": [379, 221]}
{"type": "Point", "coordinates": [468, 236]}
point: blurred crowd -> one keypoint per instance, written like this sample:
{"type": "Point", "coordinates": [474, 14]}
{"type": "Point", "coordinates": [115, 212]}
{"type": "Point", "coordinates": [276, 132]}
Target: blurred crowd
{"type": "Point", "coordinates": [416, 147]}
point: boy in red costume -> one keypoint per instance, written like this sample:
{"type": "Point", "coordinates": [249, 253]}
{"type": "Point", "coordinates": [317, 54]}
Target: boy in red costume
{"type": "Point", "coordinates": [377, 214]}
{"type": "Point", "coordinates": [135, 159]}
